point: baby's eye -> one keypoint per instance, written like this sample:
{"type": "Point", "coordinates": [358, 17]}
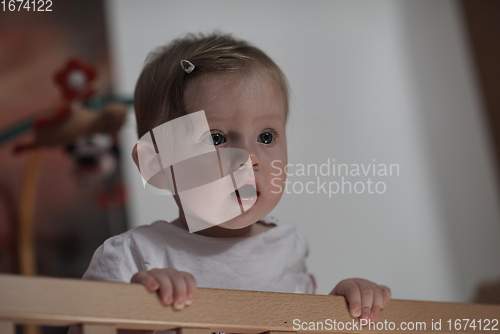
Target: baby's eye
{"type": "Point", "coordinates": [266, 137]}
{"type": "Point", "coordinates": [217, 139]}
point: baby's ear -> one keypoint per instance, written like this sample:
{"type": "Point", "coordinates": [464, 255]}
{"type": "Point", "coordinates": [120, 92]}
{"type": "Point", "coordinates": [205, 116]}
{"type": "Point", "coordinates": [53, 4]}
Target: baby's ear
{"type": "Point", "coordinates": [147, 161]}
{"type": "Point", "coordinates": [135, 157]}
{"type": "Point", "coordinates": [145, 158]}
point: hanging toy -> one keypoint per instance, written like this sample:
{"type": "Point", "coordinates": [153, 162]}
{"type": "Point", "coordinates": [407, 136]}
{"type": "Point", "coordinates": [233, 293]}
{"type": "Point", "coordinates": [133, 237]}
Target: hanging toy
{"type": "Point", "coordinates": [70, 123]}
{"type": "Point", "coordinates": [70, 120]}
{"type": "Point", "coordinates": [95, 159]}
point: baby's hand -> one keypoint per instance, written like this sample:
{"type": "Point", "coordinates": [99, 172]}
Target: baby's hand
{"type": "Point", "coordinates": [177, 287]}
{"type": "Point", "coordinates": [365, 298]}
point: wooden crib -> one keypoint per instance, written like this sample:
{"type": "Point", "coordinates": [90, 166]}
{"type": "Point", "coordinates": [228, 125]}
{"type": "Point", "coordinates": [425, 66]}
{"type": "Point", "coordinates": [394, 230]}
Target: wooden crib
{"type": "Point", "coordinates": [102, 307]}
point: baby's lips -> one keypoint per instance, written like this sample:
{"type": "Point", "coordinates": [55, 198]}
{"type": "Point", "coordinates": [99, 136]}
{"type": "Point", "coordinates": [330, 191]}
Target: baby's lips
{"type": "Point", "coordinates": [249, 181]}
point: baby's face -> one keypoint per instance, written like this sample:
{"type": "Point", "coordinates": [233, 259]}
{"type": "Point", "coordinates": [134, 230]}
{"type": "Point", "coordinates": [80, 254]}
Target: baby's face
{"type": "Point", "coordinates": [249, 114]}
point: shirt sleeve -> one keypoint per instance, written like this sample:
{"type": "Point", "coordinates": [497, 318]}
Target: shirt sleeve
{"type": "Point", "coordinates": [117, 259]}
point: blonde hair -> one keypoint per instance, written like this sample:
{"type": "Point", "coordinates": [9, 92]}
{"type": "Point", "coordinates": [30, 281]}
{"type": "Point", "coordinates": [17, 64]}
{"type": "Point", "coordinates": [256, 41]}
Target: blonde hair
{"type": "Point", "coordinates": [159, 92]}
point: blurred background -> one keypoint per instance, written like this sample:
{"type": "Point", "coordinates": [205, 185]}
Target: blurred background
{"type": "Point", "coordinates": [412, 83]}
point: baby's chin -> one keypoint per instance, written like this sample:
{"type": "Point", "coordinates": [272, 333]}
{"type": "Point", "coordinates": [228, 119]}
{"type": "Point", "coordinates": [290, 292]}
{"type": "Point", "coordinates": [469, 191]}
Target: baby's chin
{"type": "Point", "coordinates": [244, 220]}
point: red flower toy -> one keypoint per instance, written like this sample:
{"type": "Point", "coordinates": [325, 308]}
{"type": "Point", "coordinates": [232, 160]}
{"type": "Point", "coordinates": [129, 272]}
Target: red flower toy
{"type": "Point", "coordinates": [69, 120]}
{"type": "Point", "coordinates": [76, 79]}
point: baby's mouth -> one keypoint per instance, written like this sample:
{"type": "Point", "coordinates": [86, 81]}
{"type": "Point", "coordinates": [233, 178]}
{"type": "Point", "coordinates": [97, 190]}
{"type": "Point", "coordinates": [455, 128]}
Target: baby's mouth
{"type": "Point", "coordinates": [246, 192]}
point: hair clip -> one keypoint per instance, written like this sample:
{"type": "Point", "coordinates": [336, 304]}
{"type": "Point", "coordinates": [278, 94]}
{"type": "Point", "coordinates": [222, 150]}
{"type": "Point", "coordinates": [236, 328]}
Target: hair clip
{"type": "Point", "coordinates": [190, 68]}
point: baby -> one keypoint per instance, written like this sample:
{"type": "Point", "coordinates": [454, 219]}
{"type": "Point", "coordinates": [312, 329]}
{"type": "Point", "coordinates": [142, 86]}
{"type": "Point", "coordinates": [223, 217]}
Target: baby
{"type": "Point", "coordinates": [236, 100]}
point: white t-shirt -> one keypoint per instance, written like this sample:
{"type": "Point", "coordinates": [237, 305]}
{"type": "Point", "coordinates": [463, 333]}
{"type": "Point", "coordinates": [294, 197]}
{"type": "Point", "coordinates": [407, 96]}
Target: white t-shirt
{"type": "Point", "coordinates": [273, 260]}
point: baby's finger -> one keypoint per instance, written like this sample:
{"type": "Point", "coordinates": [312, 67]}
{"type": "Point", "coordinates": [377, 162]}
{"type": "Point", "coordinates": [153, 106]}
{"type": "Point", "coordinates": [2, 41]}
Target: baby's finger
{"type": "Point", "coordinates": [180, 288]}
{"type": "Point", "coordinates": [366, 299]}
{"type": "Point", "coordinates": [351, 292]}
{"type": "Point", "coordinates": [166, 286]}
{"type": "Point", "coordinates": [378, 299]}
{"type": "Point", "coordinates": [145, 279]}
{"type": "Point", "coordinates": [386, 292]}
{"type": "Point", "coordinates": [192, 287]}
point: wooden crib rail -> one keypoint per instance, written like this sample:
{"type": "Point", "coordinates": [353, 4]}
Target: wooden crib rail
{"type": "Point", "coordinates": [103, 306]}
